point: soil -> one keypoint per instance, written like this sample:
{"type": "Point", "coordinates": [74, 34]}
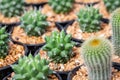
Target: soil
{"type": "Point", "coordinates": [71, 64]}
{"type": "Point", "coordinates": [116, 58]}
{"type": "Point", "coordinates": [19, 35]}
{"type": "Point", "coordinates": [35, 1]}
{"type": "Point", "coordinates": [77, 33]}
{"type": "Point", "coordinates": [15, 51]}
{"type": "Point", "coordinates": [87, 1]}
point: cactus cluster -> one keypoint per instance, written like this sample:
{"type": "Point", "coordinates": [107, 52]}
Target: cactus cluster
{"type": "Point", "coordinates": [59, 47]}
{"type": "Point", "coordinates": [89, 19]}
{"type": "Point", "coordinates": [3, 42]}
{"type": "Point", "coordinates": [34, 23]}
{"type": "Point", "coordinates": [115, 24]}
{"type": "Point", "coordinates": [31, 68]}
{"type": "Point", "coordinates": [96, 53]}
{"type": "Point", "coordinates": [61, 6]}
{"type": "Point", "coordinates": [11, 8]}
{"type": "Point", "coordinates": [112, 4]}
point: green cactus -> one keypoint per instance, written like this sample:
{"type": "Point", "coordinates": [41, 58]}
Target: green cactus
{"type": "Point", "coordinates": [96, 53]}
{"type": "Point", "coordinates": [59, 47]}
{"type": "Point", "coordinates": [11, 8]}
{"type": "Point", "coordinates": [34, 23]}
{"type": "Point", "coordinates": [115, 24]}
{"type": "Point", "coordinates": [112, 4]}
{"type": "Point", "coordinates": [61, 6]}
{"type": "Point", "coordinates": [31, 68]}
{"type": "Point", "coordinates": [3, 42]}
{"type": "Point", "coordinates": [89, 19]}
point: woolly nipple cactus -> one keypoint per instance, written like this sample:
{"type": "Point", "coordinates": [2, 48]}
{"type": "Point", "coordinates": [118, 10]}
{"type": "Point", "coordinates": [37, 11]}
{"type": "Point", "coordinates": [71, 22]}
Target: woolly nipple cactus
{"type": "Point", "coordinates": [89, 19]}
{"type": "Point", "coordinates": [31, 68]}
{"type": "Point", "coordinates": [115, 24]}
{"type": "Point", "coordinates": [3, 42]}
{"type": "Point", "coordinates": [61, 6]}
{"type": "Point", "coordinates": [59, 47]}
{"type": "Point", "coordinates": [96, 53]}
{"type": "Point", "coordinates": [34, 23]}
{"type": "Point", "coordinates": [11, 8]}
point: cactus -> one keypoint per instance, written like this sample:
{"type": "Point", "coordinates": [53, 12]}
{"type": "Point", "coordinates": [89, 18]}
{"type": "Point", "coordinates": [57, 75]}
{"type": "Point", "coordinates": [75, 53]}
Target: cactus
{"type": "Point", "coordinates": [115, 24]}
{"type": "Point", "coordinates": [89, 19]}
{"type": "Point", "coordinates": [11, 8]}
{"type": "Point", "coordinates": [59, 47]}
{"type": "Point", "coordinates": [3, 42]}
{"type": "Point", "coordinates": [61, 6]}
{"type": "Point", "coordinates": [34, 23]}
{"type": "Point", "coordinates": [31, 68]}
{"type": "Point", "coordinates": [96, 53]}
{"type": "Point", "coordinates": [112, 4]}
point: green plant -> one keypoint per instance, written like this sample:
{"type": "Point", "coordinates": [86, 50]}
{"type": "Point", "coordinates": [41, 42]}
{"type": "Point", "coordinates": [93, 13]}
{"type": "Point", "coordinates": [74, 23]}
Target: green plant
{"type": "Point", "coordinates": [89, 19]}
{"type": "Point", "coordinates": [11, 8]}
{"type": "Point", "coordinates": [112, 4]}
{"type": "Point", "coordinates": [31, 68]}
{"type": "Point", "coordinates": [61, 6]}
{"type": "Point", "coordinates": [3, 42]}
{"type": "Point", "coordinates": [96, 53]}
{"type": "Point", "coordinates": [115, 24]}
{"type": "Point", "coordinates": [34, 23]}
{"type": "Point", "coordinates": [59, 47]}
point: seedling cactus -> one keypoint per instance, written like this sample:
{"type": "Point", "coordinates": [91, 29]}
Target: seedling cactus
{"type": "Point", "coordinates": [59, 47]}
{"type": "Point", "coordinates": [89, 19]}
{"type": "Point", "coordinates": [96, 53]}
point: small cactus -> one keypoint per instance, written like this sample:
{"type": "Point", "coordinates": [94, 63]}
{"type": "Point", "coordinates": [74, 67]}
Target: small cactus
{"type": "Point", "coordinates": [31, 68]}
{"type": "Point", "coordinates": [59, 47]}
{"type": "Point", "coordinates": [3, 42]}
{"type": "Point", "coordinates": [96, 53]}
{"type": "Point", "coordinates": [115, 24]}
{"type": "Point", "coordinates": [112, 4]}
{"type": "Point", "coordinates": [11, 8]}
{"type": "Point", "coordinates": [34, 23]}
{"type": "Point", "coordinates": [89, 19]}
{"type": "Point", "coordinates": [61, 6]}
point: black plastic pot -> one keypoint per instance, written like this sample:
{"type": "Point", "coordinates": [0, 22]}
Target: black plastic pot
{"type": "Point", "coordinates": [73, 72]}
{"type": "Point", "coordinates": [54, 73]}
{"type": "Point", "coordinates": [88, 4]}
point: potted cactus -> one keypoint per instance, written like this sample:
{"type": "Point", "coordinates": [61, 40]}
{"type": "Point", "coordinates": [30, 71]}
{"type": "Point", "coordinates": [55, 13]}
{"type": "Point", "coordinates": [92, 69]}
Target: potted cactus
{"type": "Point", "coordinates": [88, 24]}
{"type": "Point", "coordinates": [97, 54]}
{"type": "Point", "coordinates": [32, 68]}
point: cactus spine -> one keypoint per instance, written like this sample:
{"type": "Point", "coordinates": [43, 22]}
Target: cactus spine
{"type": "Point", "coordinates": [115, 24]}
{"type": "Point", "coordinates": [96, 53]}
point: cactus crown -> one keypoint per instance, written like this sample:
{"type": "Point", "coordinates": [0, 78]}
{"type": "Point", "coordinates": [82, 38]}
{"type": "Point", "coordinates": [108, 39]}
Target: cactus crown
{"type": "Point", "coordinates": [31, 68]}
{"type": "Point", "coordinates": [3, 42]}
{"type": "Point", "coordinates": [34, 23]}
{"type": "Point", "coordinates": [61, 6]}
{"type": "Point", "coordinates": [89, 19]}
{"type": "Point", "coordinates": [59, 47]}
{"type": "Point", "coordinates": [112, 4]}
{"type": "Point", "coordinates": [11, 8]}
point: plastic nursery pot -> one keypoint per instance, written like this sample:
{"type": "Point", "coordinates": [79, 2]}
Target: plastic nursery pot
{"type": "Point", "coordinates": [54, 73]}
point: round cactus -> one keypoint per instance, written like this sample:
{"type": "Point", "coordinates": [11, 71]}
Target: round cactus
{"type": "Point", "coordinates": [34, 23]}
{"type": "Point", "coordinates": [59, 47]}
{"type": "Point", "coordinates": [31, 68]}
{"type": "Point", "coordinates": [112, 4]}
{"type": "Point", "coordinates": [96, 53]}
{"type": "Point", "coordinates": [115, 24]}
{"type": "Point", "coordinates": [61, 6]}
{"type": "Point", "coordinates": [89, 19]}
{"type": "Point", "coordinates": [11, 8]}
{"type": "Point", "coordinates": [3, 42]}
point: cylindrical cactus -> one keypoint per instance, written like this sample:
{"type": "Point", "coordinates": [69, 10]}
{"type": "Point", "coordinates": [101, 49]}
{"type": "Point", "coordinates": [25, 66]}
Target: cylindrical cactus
{"type": "Point", "coordinates": [61, 6]}
{"type": "Point", "coordinates": [96, 53]}
{"type": "Point", "coordinates": [31, 68]}
{"type": "Point", "coordinates": [89, 19]}
{"type": "Point", "coordinates": [115, 24]}
{"type": "Point", "coordinates": [11, 8]}
{"type": "Point", "coordinates": [3, 42]}
{"type": "Point", "coordinates": [34, 23]}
